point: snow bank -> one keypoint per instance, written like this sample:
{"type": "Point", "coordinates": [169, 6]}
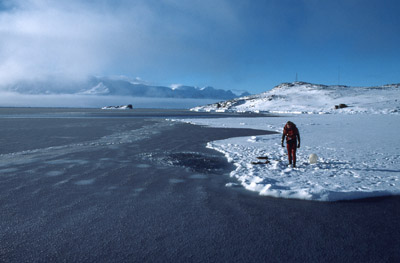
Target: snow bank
{"type": "Point", "coordinates": [358, 156]}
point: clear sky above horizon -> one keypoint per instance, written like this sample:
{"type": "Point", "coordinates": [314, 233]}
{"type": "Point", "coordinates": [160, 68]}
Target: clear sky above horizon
{"type": "Point", "coordinates": [227, 44]}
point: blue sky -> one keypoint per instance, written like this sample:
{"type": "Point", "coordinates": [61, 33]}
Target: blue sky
{"type": "Point", "coordinates": [227, 44]}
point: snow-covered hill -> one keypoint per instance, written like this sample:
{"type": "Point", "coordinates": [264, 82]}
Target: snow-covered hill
{"type": "Point", "coordinates": [118, 86]}
{"type": "Point", "coordinates": [302, 97]}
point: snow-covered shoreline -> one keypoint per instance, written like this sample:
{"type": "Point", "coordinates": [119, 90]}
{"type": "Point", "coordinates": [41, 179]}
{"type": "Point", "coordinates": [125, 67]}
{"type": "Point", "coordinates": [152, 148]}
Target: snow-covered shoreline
{"type": "Point", "coordinates": [353, 130]}
{"type": "Point", "coordinates": [358, 156]}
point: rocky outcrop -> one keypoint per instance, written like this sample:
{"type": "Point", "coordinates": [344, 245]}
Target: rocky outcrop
{"type": "Point", "coordinates": [122, 107]}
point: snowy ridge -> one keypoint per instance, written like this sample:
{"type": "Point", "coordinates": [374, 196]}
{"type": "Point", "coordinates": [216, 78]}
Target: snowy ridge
{"type": "Point", "coordinates": [302, 97]}
{"type": "Point", "coordinates": [99, 89]}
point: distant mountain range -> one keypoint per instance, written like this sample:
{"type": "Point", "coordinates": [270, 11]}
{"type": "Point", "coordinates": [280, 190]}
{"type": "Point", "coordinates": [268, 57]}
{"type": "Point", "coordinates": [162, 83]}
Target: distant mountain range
{"type": "Point", "coordinates": [120, 86]}
{"type": "Point", "coordinates": [303, 97]}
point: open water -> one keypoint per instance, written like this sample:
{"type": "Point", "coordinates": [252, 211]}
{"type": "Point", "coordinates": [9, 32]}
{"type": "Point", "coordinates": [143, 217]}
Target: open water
{"type": "Point", "coordinates": [87, 185]}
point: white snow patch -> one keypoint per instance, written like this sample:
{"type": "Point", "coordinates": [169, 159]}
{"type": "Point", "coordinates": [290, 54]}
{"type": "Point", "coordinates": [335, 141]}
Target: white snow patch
{"type": "Point", "coordinates": [175, 86]}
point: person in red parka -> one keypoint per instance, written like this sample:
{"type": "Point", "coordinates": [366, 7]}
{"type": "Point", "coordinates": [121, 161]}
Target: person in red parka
{"type": "Point", "coordinates": [292, 135]}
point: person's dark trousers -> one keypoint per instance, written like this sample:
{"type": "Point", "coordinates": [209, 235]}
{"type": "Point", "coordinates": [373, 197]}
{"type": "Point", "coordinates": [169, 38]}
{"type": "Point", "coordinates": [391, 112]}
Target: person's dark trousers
{"type": "Point", "coordinates": [291, 149]}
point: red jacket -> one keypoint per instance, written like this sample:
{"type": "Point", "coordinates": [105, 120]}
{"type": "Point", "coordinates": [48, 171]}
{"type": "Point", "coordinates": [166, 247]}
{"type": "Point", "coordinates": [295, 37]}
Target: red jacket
{"type": "Point", "coordinates": [292, 134]}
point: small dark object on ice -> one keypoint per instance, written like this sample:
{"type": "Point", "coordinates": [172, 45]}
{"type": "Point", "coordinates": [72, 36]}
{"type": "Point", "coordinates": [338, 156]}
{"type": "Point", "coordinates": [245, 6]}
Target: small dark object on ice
{"type": "Point", "coordinates": [267, 162]}
{"type": "Point", "coordinates": [261, 158]}
{"type": "Point", "coordinates": [341, 106]}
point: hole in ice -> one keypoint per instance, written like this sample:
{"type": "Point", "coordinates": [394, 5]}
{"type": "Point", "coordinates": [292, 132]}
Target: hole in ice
{"type": "Point", "coordinates": [197, 162]}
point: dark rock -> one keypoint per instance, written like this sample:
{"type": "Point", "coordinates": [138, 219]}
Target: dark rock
{"type": "Point", "coordinates": [341, 106]}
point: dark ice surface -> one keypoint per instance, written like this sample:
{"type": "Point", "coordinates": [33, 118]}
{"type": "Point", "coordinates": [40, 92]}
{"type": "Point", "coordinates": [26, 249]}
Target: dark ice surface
{"type": "Point", "coordinates": [115, 186]}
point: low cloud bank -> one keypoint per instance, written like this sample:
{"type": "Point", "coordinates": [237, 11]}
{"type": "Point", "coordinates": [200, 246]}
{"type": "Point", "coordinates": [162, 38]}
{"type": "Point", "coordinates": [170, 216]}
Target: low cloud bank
{"type": "Point", "coordinates": [8, 99]}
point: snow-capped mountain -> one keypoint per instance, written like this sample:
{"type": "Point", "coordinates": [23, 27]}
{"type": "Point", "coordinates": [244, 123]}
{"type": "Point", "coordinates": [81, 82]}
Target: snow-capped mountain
{"type": "Point", "coordinates": [119, 86]}
{"type": "Point", "coordinates": [302, 97]}
{"type": "Point", "coordinates": [99, 89]}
